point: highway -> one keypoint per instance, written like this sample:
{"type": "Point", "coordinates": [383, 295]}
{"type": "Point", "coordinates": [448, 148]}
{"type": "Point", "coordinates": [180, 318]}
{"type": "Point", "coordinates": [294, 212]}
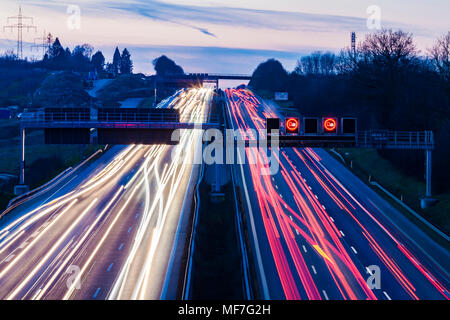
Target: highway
{"type": "Point", "coordinates": [106, 232]}
{"type": "Point", "coordinates": [318, 232]}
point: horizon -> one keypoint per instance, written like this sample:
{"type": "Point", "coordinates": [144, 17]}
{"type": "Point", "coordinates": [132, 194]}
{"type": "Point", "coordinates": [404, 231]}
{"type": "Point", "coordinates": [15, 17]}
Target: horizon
{"type": "Point", "coordinates": [201, 37]}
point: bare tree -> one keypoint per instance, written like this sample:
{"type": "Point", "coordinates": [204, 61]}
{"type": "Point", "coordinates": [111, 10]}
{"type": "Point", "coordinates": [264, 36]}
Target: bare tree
{"type": "Point", "coordinates": [388, 49]}
{"type": "Point", "coordinates": [440, 56]}
{"type": "Point", "coordinates": [328, 63]}
{"type": "Point", "coordinates": [317, 63]}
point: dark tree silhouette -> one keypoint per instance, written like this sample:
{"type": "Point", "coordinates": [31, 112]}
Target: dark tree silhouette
{"type": "Point", "coordinates": [164, 66]}
{"type": "Point", "coordinates": [56, 50]}
{"type": "Point", "coordinates": [126, 65]}
{"type": "Point", "coordinates": [81, 57]}
{"type": "Point", "coordinates": [98, 61]}
{"type": "Point", "coordinates": [116, 62]}
{"type": "Point", "coordinates": [270, 76]}
{"type": "Point", "coordinates": [317, 63]}
{"type": "Point", "coordinates": [440, 56]}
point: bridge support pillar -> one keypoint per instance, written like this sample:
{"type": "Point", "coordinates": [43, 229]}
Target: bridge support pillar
{"type": "Point", "coordinates": [428, 201]}
{"type": "Point", "coordinates": [21, 188]}
{"type": "Point", "coordinates": [428, 160]}
{"type": "Point", "coordinates": [22, 157]}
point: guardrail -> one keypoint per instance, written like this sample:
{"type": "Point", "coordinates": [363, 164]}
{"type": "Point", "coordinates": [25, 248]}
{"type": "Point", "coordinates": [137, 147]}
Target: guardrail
{"type": "Point", "coordinates": [395, 139]}
{"type": "Point", "coordinates": [75, 117]}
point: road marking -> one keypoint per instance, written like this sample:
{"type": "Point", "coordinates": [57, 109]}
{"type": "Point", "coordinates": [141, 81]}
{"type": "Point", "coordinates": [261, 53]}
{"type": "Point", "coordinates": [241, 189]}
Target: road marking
{"type": "Point", "coordinates": [387, 296]}
{"type": "Point", "coordinates": [36, 294]}
{"type": "Point", "coordinates": [129, 229]}
{"type": "Point", "coordinates": [313, 269]}
{"type": "Point", "coordinates": [121, 246]}
{"type": "Point", "coordinates": [23, 245]}
{"type": "Point", "coordinates": [354, 250]}
{"type": "Point", "coordinates": [331, 218]}
{"type": "Point", "coordinates": [325, 295]}
{"type": "Point", "coordinates": [281, 196]}
{"type": "Point", "coordinates": [137, 215]}
{"type": "Point", "coordinates": [322, 253]}
{"type": "Point", "coordinates": [8, 258]}
{"type": "Point", "coordinates": [109, 268]}
{"type": "Point", "coordinates": [342, 233]}
{"type": "Point", "coordinates": [291, 218]}
{"type": "Point", "coordinates": [316, 197]}
{"type": "Point", "coordinates": [296, 231]}
{"type": "Point", "coordinates": [323, 207]}
{"type": "Point", "coordinates": [304, 248]}
{"type": "Point", "coordinates": [276, 187]}
{"type": "Point", "coordinates": [96, 293]}
{"type": "Point", "coordinates": [309, 187]}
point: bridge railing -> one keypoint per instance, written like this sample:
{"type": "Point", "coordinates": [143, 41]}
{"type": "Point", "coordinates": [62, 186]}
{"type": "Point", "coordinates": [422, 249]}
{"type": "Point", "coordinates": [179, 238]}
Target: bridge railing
{"type": "Point", "coordinates": [396, 139]}
{"type": "Point", "coordinates": [28, 119]}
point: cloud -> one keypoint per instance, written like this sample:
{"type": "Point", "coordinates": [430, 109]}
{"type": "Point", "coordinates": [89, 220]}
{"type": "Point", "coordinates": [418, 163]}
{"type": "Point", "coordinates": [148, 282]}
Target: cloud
{"type": "Point", "coordinates": [205, 18]}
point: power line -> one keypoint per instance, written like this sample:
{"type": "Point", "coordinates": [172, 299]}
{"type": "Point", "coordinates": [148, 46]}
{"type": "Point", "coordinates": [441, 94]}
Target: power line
{"type": "Point", "coordinates": [354, 43]}
{"type": "Point", "coordinates": [20, 25]}
{"type": "Point", "coordinates": [46, 42]}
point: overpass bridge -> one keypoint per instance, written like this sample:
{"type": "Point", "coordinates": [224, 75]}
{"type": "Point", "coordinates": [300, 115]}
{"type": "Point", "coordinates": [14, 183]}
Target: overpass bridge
{"type": "Point", "coordinates": [198, 79]}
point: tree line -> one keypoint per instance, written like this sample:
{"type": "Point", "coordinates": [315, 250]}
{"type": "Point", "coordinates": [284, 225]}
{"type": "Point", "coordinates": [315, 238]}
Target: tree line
{"type": "Point", "coordinates": [386, 82]}
{"type": "Point", "coordinates": [81, 59]}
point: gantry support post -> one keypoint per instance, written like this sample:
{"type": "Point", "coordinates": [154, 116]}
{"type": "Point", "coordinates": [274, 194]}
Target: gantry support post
{"type": "Point", "coordinates": [428, 160]}
{"type": "Point", "coordinates": [22, 157]}
{"type": "Point", "coordinates": [21, 188]}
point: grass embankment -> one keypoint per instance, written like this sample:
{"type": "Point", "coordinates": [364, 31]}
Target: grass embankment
{"type": "Point", "coordinates": [43, 162]}
{"type": "Point", "coordinates": [368, 163]}
{"type": "Point", "coordinates": [125, 87]}
{"type": "Point", "coordinates": [216, 267]}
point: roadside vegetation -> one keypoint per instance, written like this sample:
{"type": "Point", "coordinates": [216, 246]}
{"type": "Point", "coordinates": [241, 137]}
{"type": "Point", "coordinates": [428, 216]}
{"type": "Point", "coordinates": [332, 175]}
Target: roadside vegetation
{"type": "Point", "coordinates": [43, 161]}
{"type": "Point", "coordinates": [368, 164]}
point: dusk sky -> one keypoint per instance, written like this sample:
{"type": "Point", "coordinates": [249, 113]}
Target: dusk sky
{"type": "Point", "coordinates": [228, 36]}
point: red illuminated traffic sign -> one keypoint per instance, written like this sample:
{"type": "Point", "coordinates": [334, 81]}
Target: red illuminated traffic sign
{"type": "Point", "coordinates": [292, 125]}
{"type": "Point", "coordinates": [330, 125]}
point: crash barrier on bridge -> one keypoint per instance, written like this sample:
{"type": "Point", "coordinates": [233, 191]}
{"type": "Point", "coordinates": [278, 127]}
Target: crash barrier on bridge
{"type": "Point", "coordinates": [106, 115]}
{"type": "Point", "coordinates": [395, 139]}
{"type": "Point", "coordinates": [414, 140]}
{"type": "Point", "coordinates": [64, 114]}
{"type": "Point", "coordinates": [138, 115]}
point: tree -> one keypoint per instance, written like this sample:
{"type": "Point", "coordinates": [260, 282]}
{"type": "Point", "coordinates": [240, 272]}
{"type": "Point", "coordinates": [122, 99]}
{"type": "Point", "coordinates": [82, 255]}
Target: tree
{"type": "Point", "coordinates": [164, 66]}
{"type": "Point", "coordinates": [81, 57]}
{"type": "Point", "coordinates": [126, 64]}
{"type": "Point", "coordinates": [440, 56]}
{"type": "Point", "coordinates": [116, 62]}
{"type": "Point", "coordinates": [270, 76]}
{"type": "Point", "coordinates": [317, 63]}
{"type": "Point", "coordinates": [56, 50]}
{"type": "Point", "coordinates": [379, 69]}
{"type": "Point", "coordinates": [98, 61]}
